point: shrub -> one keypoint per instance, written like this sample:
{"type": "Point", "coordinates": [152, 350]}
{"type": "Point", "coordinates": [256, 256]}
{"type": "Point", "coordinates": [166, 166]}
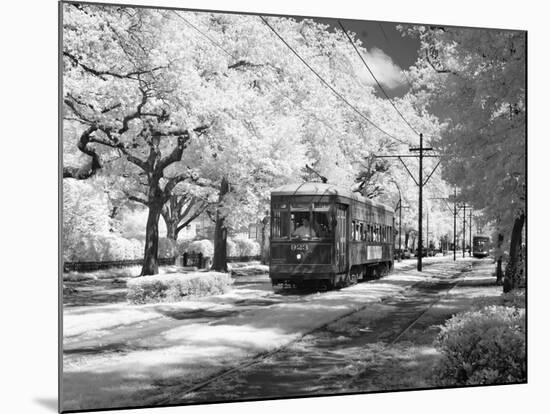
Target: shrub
{"type": "Point", "coordinates": [175, 287]}
{"type": "Point", "coordinates": [515, 298]}
{"type": "Point", "coordinates": [231, 248]}
{"type": "Point", "coordinates": [167, 247]}
{"type": "Point", "coordinates": [485, 346]}
{"type": "Point", "coordinates": [104, 247]}
{"type": "Point", "coordinates": [246, 247]}
{"type": "Point", "coordinates": [202, 246]}
{"type": "Point", "coordinates": [249, 270]}
{"type": "Point", "coordinates": [184, 246]}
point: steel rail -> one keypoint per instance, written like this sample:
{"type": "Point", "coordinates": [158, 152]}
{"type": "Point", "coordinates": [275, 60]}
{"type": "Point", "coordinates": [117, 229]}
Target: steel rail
{"type": "Point", "coordinates": [263, 356]}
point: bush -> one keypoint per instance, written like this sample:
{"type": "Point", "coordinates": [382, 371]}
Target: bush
{"type": "Point", "coordinates": [249, 270]}
{"type": "Point", "coordinates": [183, 246]}
{"type": "Point", "coordinates": [167, 248]}
{"type": "Point", "coordinates": [202, 246]}
{"type": "Point", "coordinates": [175, 287]}
{"type": "Point", "coordinates": [246, 247]}
{"type": "Point", "coordinates": [485, 346]}
{"type": "Point", "coordinates": [231, 248]}
{"type": "Point", "coordinates": [103, 247]}
{"type": "Point", "coordinates": [515, 298]}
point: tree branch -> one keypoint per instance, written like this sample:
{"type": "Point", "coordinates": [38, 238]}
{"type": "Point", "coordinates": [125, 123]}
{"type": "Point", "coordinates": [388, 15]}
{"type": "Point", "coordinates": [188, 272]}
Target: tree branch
{"type": "Point", "coordinates": [429, 60]}
{"type": "Point", "coordinates": [103, 73]}
{"type": "Point", "coordinates": [78, 173]}
{"type": "Point", "coordinates": [137, 199]}
{"type": "Point", "coordinates": [193, 217]}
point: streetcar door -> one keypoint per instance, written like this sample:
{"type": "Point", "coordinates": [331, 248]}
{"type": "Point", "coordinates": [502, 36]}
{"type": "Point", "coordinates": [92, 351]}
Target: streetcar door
{"type": "Point", "coordinates": [341, 239]}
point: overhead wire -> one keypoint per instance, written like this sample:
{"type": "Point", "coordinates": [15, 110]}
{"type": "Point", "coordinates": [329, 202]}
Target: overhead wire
{"type": "Point", "coordinates": [217, 44]}
{"type": "Point", "coordinates": [204, 34]}
{"type": "Point", "coordinates": [329, 86]}
{"type": "Point", "coordinates": [390, 45]}
{"type": "Point", "coordinates": [375, 79]}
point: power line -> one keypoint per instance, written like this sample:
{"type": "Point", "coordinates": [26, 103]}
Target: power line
{"type": "Point", "coordinates": [329, 86]}
{"type": "Point", "coordinates": [204, 34]}
{"type": "Point", "coordinates": [215, 43]}
{"type": "Point", "coordinates": [390, 45]}
{"type": "Point", "coordinates": [374, 77]}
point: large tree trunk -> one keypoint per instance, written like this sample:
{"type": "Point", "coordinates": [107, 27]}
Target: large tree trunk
{"type": "Point", "coordinates": [500, 274]}
{"type": "Point", "coordinates": [219, 262]}
{"type": "Point", "coordinates": [150, 260]}
{"type": "Point", "coordinates": [171, 229]}
{"type": "Point", "coordinates": [512, 275]}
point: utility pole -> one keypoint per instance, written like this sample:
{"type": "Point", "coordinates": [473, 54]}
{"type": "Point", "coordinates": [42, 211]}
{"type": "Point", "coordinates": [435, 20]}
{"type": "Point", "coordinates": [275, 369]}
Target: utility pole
{"type": "Point", "coordinates": [454, 228]}
{"type": "Point", "coordinates": [464, 231]}
{"type": "Point", "coordinates": [427, 229]}
{"type": "Point", "coordinates": [419, 259]}
{"type": "Point", "coordinates": [400, 209]}
{"type": "Point", "coordinates": [470, 232]}
{"type": "Point", "coordinates": [420, 183]}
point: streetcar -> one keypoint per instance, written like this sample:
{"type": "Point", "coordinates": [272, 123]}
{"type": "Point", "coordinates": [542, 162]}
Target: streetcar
{"type": "Point", "coordinates": [481, 246]}
{"type": "Point", "coordinates": [325, 237]}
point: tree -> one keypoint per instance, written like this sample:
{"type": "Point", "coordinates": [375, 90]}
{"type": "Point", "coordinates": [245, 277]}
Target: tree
{"type": "Point", "coordinates": [475, 80]}
{"type": "Point", "coordinates": [180, 211]}
{"type": "Point", "coordinates": [119, 83]}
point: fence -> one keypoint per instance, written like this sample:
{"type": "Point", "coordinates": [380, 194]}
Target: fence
{"type": "Point", "coordinates": [200, 261]}
{"type": "Point", "coordinates": [188, 259]}
{"type": "Point", "coordinates": [91, 266]}
{"type": "Point", "coordinates": [243, 258]}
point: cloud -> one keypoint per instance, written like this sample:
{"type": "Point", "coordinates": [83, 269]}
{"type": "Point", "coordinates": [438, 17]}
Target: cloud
{"type": "Point", "coordinates": [386, 71]}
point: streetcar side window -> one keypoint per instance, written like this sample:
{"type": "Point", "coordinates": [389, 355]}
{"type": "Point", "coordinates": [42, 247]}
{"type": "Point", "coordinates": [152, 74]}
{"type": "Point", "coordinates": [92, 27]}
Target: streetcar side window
{"type": "Point", "coordinates": [321, 224]}
{"type": "Point", "coordinates": [362, 231]}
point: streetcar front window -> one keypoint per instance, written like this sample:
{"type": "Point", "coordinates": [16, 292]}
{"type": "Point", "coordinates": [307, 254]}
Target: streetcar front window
{"type": "Point", "coordinates": [280, 224]}
{"type": "Point", "coordinates": [310, 221]}
{"type": "Point", "coordinates": [301, 225]}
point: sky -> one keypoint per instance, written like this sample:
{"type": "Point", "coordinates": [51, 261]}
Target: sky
{"type": "Point", "coordinates": [388, 53]}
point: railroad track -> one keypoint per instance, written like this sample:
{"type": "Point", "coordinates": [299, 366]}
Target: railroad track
{"type": "Point", "coordinates": [439, 290]}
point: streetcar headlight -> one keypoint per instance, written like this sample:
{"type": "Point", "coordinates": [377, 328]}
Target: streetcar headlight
{"type": "Point", "coordinates": [298, 256]}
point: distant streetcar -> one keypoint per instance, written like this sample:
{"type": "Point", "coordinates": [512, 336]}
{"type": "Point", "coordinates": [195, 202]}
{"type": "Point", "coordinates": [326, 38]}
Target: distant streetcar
{"type": "Point", "coordinates": [323, 236]}
{"type": "Point", "coordinates": [481, 246]}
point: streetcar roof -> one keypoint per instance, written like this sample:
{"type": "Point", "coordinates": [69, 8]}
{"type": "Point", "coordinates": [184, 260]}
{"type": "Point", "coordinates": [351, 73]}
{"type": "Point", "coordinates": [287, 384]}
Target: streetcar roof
{"type": "Point", "coordinates": [324, 189]}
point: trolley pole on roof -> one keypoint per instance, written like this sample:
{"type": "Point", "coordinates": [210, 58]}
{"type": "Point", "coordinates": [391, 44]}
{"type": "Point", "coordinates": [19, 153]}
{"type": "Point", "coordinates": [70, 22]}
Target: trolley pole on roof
{"type": "Point", "coordinates": [420, 183]}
